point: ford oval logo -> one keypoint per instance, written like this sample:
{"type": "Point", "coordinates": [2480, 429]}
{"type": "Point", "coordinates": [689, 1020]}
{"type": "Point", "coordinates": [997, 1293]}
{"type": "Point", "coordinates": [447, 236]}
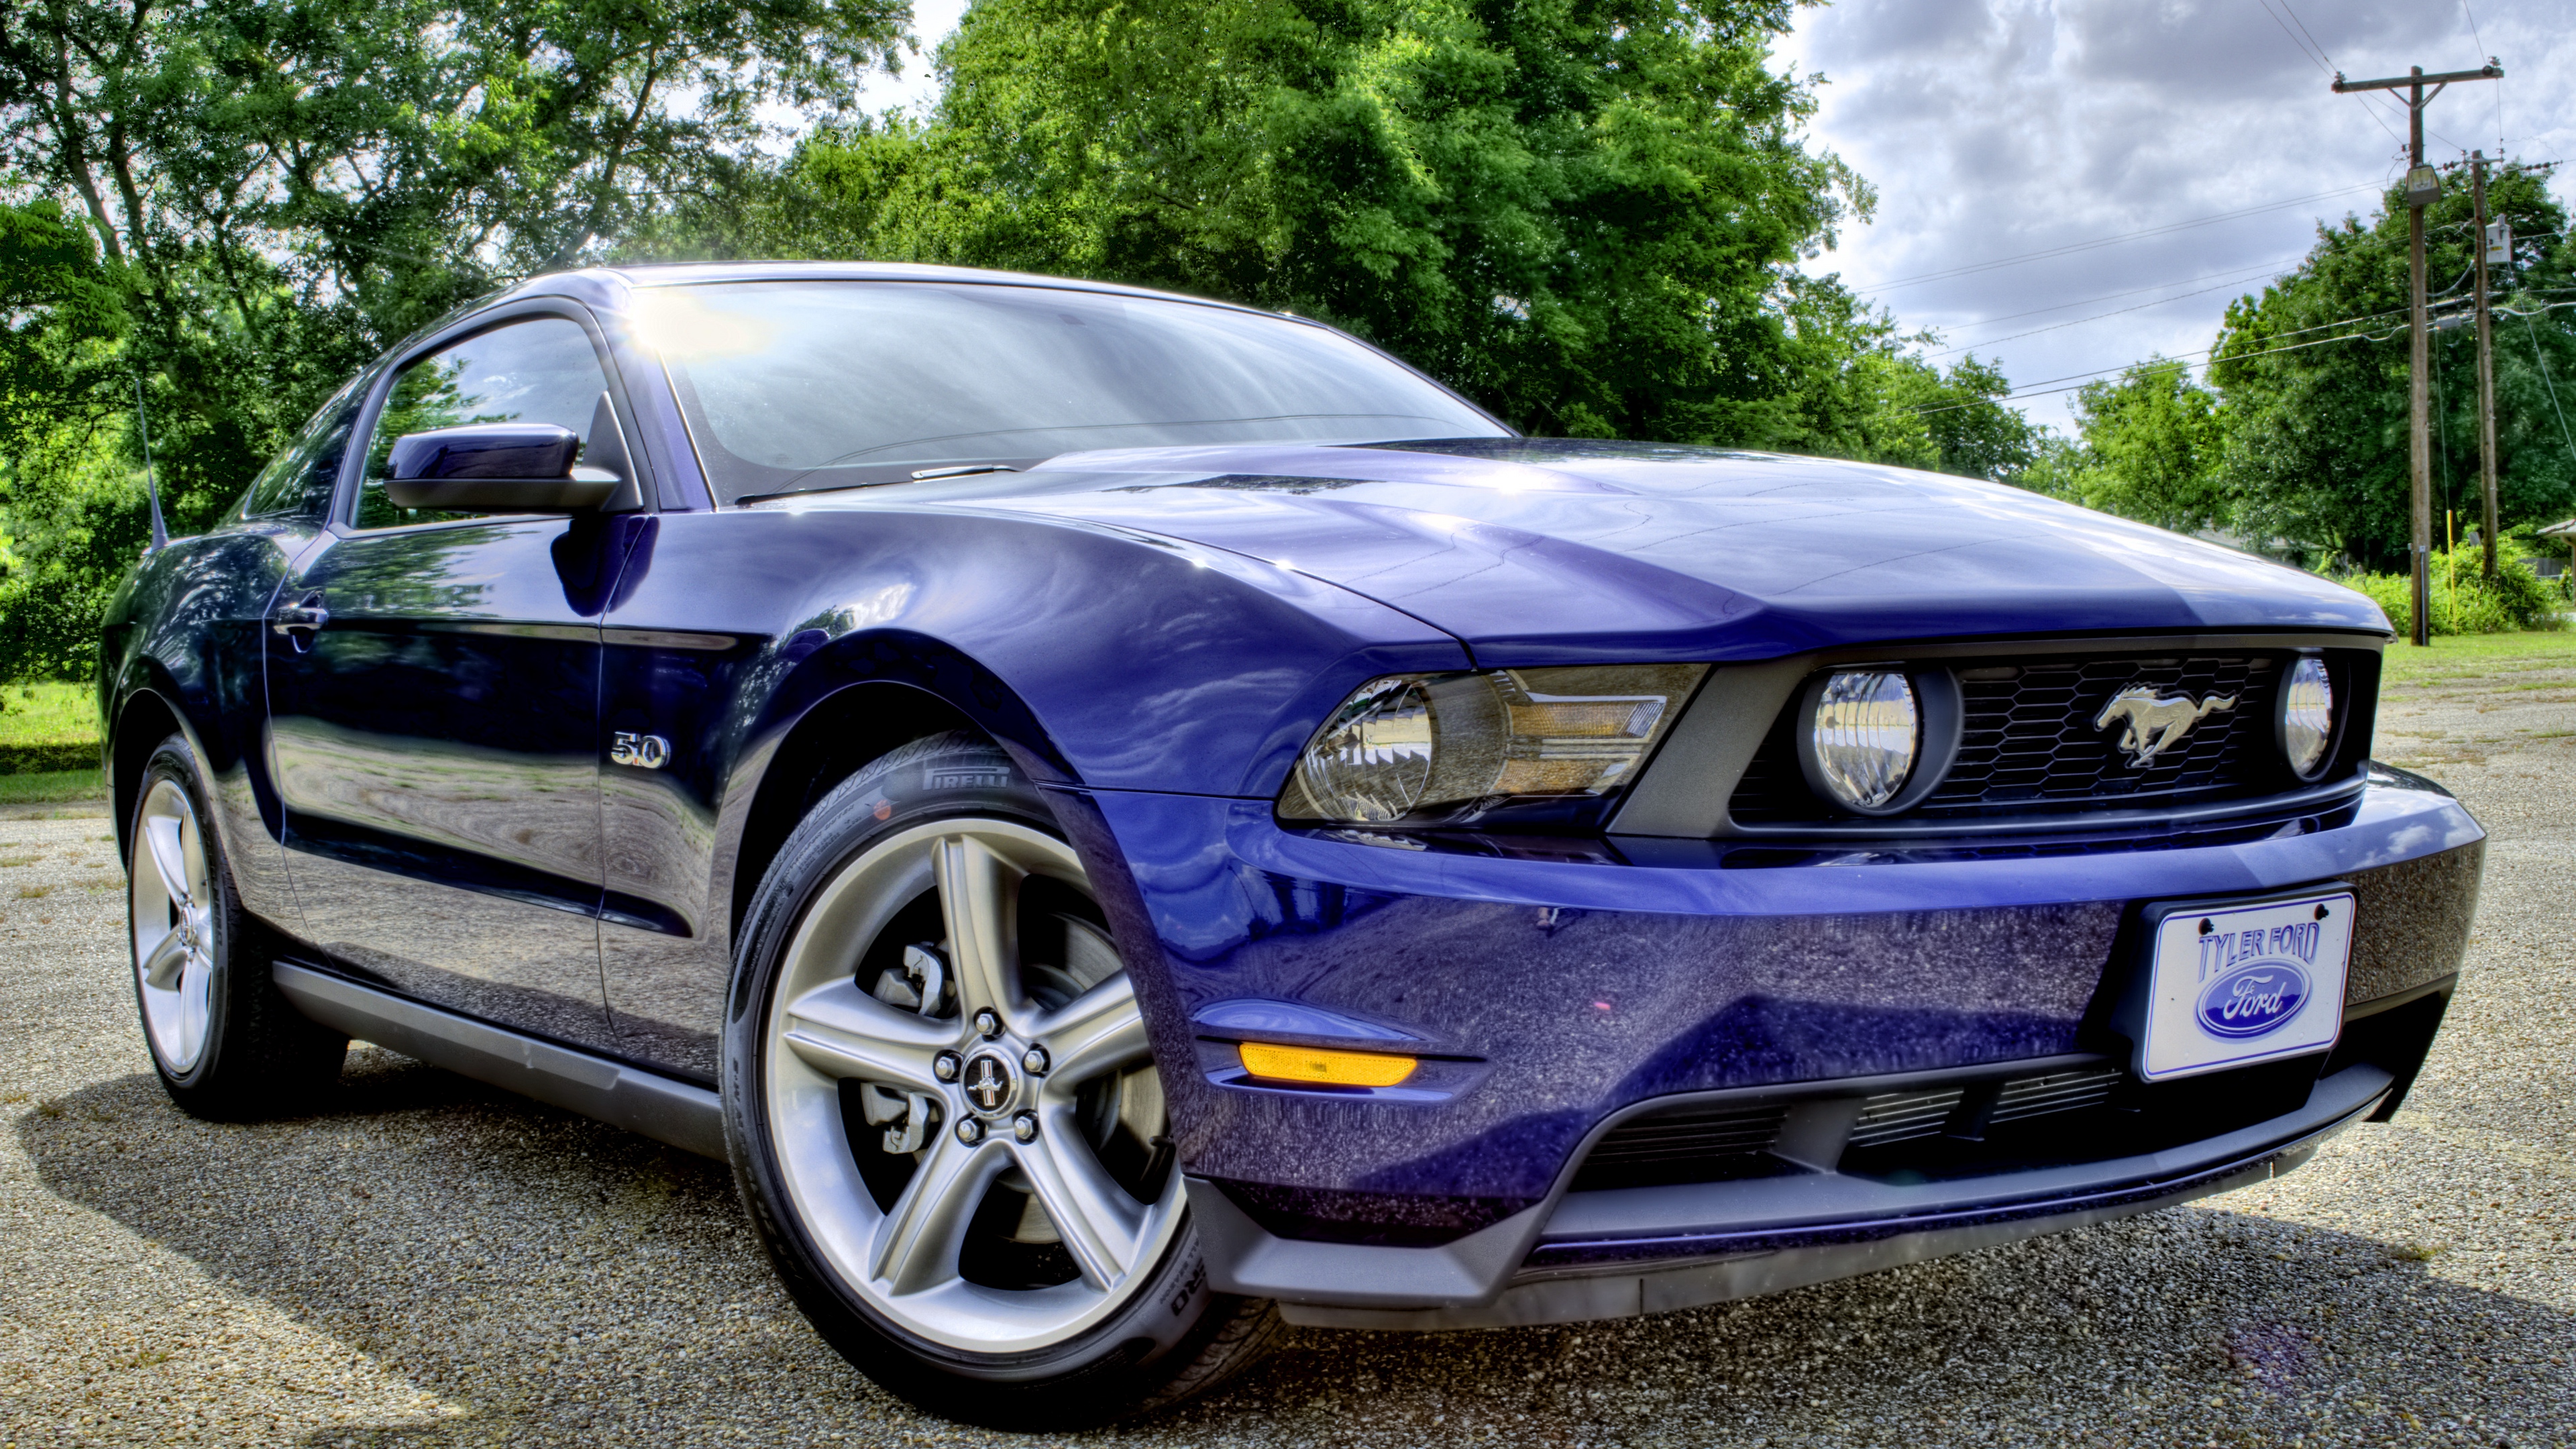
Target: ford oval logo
{"type": "Point", "coordinates": [2255, 998]}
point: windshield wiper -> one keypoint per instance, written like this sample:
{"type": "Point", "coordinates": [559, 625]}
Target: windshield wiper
{"type": "Point", "coordinates": [962, 470]}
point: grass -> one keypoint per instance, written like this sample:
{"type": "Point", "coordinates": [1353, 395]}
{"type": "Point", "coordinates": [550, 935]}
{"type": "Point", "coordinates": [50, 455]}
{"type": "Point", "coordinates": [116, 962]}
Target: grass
{"type": "Point", "coordinates": [53, 787]}
{"type": "Point", "coordinates": [2454, 657]}
{"type": "Point", "coordinates": [41, 714]}
{"type": "Point", "coordinates": [46, 729]}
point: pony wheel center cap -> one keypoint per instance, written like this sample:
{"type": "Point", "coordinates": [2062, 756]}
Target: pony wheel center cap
{"type": "Point", "coordinates": [989, 1083]}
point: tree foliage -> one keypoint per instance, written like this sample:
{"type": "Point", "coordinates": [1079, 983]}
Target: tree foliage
{"type": "Point", "coordinates": [1582, 213]}
{"type": "Point", "coordinates": [2314, 375]}
{"type": "Point", "coordinates": [268, 192]}
{"type": "Point", "coordinates": [283, 188]}
{"type": "Point", "coordinates": [1587, 214]}
{"type": "Point", "coordinates": [2152, 439]}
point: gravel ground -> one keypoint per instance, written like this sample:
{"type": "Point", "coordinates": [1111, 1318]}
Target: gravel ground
{"type": "Point", "coordinates": [433, 1263]}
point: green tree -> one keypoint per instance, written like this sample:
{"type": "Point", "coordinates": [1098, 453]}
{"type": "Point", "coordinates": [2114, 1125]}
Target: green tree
{"type": "Point", "coordinates": [61, 312]}
{"type": "Point", "coordinates": [2152, 440]}
{"type": "Point", "coordinates": [277, 189]}
{"type": "Point", "coordinates": [2314, 373]}
{"type": "Point", "coordinates": [65, 396]}
{"type": "Point", "coordinates": [1973, 433]}
{"type": "Point", "coordinates": [1582, 213]}
{"type": "Point", "coordinates": [2056, 467]}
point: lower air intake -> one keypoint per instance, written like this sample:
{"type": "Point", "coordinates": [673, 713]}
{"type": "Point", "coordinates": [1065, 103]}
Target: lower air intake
{"type": "Point", "coordinates": [1734, 1141]}
{"type": "Point", "coordinates": [1904, 1116]}
{"type": "Point", "coordinates": [1702, 1145]}
{"type": "Point", "coordinates": [2057, 1092]}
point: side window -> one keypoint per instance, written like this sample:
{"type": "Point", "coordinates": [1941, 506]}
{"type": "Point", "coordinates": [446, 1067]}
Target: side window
{"type": "Point", "coordinates": [538, 371]}
{"type": "Point", "coordinates": [298, 482]}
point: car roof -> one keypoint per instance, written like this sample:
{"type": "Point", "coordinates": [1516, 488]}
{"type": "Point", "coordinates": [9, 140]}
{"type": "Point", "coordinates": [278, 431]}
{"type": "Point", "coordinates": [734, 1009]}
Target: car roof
{"type": "Point", "coordinates": [611, 288]}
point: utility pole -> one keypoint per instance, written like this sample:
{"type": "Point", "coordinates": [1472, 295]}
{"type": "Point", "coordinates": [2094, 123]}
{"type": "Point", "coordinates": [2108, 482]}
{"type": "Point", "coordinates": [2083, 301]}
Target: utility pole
{"type": "Point", "coordinates": [2486, 368]}
{"type": "Point", "coordinates": [2423, 188]}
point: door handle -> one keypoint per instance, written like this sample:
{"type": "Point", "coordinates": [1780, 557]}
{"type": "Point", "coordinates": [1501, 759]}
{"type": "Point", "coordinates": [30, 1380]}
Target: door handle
{"type": "Point", "coordinates": [307, 615]}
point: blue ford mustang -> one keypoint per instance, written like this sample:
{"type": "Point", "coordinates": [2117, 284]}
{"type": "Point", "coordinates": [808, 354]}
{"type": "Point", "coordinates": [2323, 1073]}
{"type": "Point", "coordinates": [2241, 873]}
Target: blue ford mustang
{"type": "Point", "coordinates": [1130, 821]}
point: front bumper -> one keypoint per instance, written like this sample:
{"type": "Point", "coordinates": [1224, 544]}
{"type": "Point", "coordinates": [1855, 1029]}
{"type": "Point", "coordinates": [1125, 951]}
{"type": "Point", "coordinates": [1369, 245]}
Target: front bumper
{"type": "Point", "coordinates": [1621, 1253]}
{"type": "Point", "coordinates": [1555, 991]}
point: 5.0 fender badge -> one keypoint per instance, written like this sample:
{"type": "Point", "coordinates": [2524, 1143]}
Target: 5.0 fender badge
{"type": "Point", "coordinates": [644, 752]}
{"type": "Point", "coordinates": [2153, 722]}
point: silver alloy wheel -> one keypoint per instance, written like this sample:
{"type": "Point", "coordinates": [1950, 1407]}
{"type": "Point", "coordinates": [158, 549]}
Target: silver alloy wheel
{"type": "Point", "coordinates": [171, 911]}
{"type": "Point", "coordinates": [823, 1028]}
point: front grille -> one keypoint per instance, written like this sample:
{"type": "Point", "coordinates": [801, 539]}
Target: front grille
{"type": "Point", "coordinates": [2029, 741]}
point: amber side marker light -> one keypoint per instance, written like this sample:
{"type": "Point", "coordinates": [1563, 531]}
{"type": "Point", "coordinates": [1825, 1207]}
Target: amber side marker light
{"type": "Point", "coordinates": [1323, 1068]}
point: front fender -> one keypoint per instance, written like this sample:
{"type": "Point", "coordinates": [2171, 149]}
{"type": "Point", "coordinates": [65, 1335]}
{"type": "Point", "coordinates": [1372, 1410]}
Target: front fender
{"type": "Point", "coordinates": [184, 636]}
{"type": "Point", "coordinates": [1104, 658]}
{"type": "Point", "coordinates": [1100, 658]}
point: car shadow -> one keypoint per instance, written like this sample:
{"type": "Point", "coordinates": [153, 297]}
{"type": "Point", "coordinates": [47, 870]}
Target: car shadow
{"type": "Point", "coordinates": [551, 1279]}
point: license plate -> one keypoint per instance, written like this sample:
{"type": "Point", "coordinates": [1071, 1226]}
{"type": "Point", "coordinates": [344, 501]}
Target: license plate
{"type": "Point", "coordinates": [2230, 985]}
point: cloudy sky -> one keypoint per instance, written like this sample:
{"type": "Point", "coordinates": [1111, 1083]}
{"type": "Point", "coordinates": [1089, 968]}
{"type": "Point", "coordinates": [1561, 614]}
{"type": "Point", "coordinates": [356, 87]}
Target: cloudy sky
{"type": "Point", "coordinates": [1994, 129]}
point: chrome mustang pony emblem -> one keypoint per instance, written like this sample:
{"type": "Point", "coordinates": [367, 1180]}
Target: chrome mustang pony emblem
{"type": "Point", "coordinates": [2155, 721]}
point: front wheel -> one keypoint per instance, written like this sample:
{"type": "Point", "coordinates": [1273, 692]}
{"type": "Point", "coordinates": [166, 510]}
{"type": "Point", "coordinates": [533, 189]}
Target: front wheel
{"type": "Point", "coordinates": [225, 1043]}
{"type": "Point", "coordinates": [945, 1116]}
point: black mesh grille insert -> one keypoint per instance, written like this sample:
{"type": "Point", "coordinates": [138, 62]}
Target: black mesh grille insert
{"type": "Point", "coordinates": [1732, 1142]}
{"type": "Point", "coordinates": [1904, 1116]}
{"type": "Point", "coordinates": [1693, 1145]}
{"type": "Point", "coordinates": [2030, 741]}
{"type": "Point", "coordinates": [2057, 1092]}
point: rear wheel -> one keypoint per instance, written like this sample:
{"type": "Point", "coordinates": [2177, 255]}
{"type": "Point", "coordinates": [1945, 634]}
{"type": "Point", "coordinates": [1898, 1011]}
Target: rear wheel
{"type": "Point", "coordinates": [945, 1115]}
{"type": "Point", "coordinates": [226, 1044]}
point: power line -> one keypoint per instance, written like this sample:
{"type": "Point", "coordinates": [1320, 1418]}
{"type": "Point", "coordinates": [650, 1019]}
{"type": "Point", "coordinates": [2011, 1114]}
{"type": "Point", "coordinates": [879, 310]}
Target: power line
{"type": "Point", "coordinates": [2316, 53]}
{"type": "Point", "coordinates": [2085, 246]}
{"type": "Point", "coordinates": [2542, 358]}
{"type": "Point", "coordinates": [2040, 390]}
{"type": "Point", "coordinates": [2315, 57]}
{"type": "Point", "coordinates": [2098, 316]}
{"type": "Point", "coordinates": [2499, 90]}
{"type": "Point", "coordinates": [2131, 292]}
{"type": "Point", "coordinates": [2311, 35]}
{"type": "Point", "coordinates": [2370, 109]}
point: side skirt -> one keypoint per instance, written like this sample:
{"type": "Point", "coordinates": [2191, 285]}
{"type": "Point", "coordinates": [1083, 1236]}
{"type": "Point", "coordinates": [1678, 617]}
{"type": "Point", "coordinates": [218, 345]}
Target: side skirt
{"type": "Point", "coordinates": [668, 1110]}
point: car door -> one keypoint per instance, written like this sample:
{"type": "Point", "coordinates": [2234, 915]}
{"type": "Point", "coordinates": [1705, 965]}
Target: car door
{"type": "Point", "coordinates": [230, 582]}
{"type": "Point", "coordinates": [433, 686]}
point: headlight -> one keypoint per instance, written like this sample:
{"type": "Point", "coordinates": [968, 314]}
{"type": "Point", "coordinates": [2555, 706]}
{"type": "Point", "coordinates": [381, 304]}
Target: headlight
{"type": "Point", "coordinates": [1372, 760]}
{"type": "Point", "coordinates": [1861, 737]}
{"type": "Point", "coordinates": [1442, 747]}
{"type": "Point", "coordinates": [2307, 716]}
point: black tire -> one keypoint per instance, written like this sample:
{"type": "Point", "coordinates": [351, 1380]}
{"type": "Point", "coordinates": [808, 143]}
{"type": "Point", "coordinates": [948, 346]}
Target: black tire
{"type": "Point", "coordinates": [1168, 1339]}
{"type": "Point", "coordinates": [259, 1057]}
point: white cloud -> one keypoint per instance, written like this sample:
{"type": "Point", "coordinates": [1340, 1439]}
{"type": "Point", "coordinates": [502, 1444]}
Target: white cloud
{"type": "Point", "coordinates": [1996, 128]}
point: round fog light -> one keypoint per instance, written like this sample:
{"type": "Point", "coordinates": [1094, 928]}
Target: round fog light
{"type": "Point", "coordinates": [1862, 737]}
{"type": "Point", "coordinates": [2307, 716]}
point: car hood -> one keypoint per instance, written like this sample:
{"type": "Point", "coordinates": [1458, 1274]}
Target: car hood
{"type": "Point", "coordinates": [1541, 550]}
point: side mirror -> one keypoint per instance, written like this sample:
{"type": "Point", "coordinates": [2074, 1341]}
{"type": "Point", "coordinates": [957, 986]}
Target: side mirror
{"type": "Point", "coordinates": [496, 468]}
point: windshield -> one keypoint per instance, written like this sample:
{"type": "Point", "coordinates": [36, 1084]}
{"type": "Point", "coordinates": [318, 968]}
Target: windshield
{"type": "Point", "coordinates": [794, 386]}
